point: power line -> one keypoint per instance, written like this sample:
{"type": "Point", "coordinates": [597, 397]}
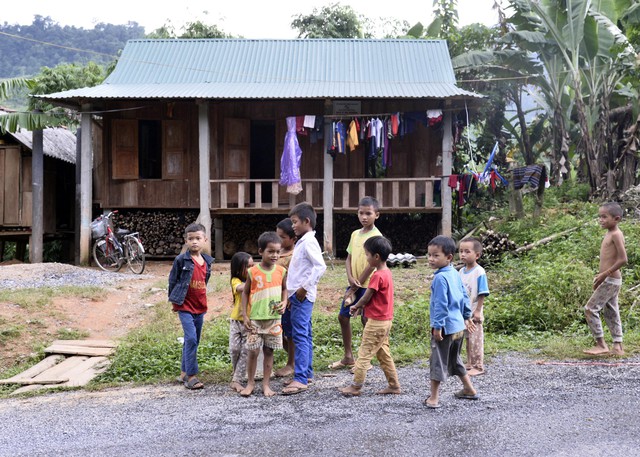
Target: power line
{"type": "Point", "coordinates": [57, 45]}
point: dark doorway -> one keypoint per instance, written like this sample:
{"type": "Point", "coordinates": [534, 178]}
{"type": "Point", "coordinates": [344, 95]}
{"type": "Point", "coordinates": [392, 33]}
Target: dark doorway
{"type": "Point", "coordinates": [263, 156]}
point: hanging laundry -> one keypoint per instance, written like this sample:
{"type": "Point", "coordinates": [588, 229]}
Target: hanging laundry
{"type": "Point", "coordinates": [291, 158]}
{"type": "Point", "coordinates": [454, 182]}
{"type": "Point", "coordinates": [309, 121]}
{"type": "Point", "coordinates": [395, 123]}
{"type": "Point", "coordinates": [340, 134]}
{"type": "Point", "coordinates": [317, 132]}
{"type": "Point", "coordinates": [378, 132]}
{"type": "Point", "coordinates": [531, 175]}
{"type": "Point", "coordinates": [300, 125]}
{"type": "Point", "coordinates": [352, 136]}
{"type": "Point", "coordinates": [434, 117]}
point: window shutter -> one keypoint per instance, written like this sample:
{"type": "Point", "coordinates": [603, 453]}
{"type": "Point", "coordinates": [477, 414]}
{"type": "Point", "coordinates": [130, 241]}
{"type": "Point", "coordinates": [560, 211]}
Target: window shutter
{"type": "Point", "coordinates": [173, 147]}
{"type": "Point", "coordinates": [124, 145]}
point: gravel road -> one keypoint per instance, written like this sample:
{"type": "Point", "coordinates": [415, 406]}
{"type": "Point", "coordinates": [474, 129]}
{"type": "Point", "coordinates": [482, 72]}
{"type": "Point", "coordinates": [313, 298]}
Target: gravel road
{"type": "Point", "coordinates": [525, 409]}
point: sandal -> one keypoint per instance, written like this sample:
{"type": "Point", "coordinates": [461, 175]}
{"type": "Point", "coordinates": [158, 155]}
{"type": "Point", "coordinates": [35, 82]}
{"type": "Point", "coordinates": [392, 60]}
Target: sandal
{"type": "Point", "coordinates": [431, 406]}
{"type": "Point", "coordinates": [193, 384]}
{"type": "Point", "coordinates": [339, 365]}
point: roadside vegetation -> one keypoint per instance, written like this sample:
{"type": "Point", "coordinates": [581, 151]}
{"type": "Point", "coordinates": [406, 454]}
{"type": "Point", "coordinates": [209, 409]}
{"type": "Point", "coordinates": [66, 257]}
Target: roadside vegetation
{"type": "Point", "coordinates": [535, 306]}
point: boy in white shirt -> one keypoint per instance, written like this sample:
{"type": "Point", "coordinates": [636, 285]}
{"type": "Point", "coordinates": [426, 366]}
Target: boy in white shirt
{"type": "Point", "coordinates": [474, 279]}
{"type": "Point", "coordinates": [306, 268]}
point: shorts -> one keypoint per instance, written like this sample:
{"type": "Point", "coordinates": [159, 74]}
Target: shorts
{"type": "Point", "coordinates": [445, 357]}
{"type": "Point", "coordinates": [344, 309]}
{"type": "Point", "coordinates": [267, 333]}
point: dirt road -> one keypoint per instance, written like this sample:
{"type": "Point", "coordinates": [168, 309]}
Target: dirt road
{"type": "Point", "coordinates": [525, 409]}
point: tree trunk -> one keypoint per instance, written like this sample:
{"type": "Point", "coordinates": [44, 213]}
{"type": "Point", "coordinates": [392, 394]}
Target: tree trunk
{"type": "Point", "coordinates": [590, 152]}
{"type": "Point", "coordinates": [525, 141]}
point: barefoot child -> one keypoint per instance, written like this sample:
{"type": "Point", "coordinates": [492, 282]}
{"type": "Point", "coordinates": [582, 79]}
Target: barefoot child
{"type": "Point", "coordinates": [188, 294]}
{"type": "Point", "coordinates": [307, 267]}
{"type": "Point", "coordinates": [240, 264]}
{"type": "Point", "coordinates": [606, 284]}
{"type": "Point", "coordinates": [284, 229]}
{"type": "Point", "coordinates": [377, 303]}
{"type": "Point", "coordinates": [265, 293]}
{"type": "Point", "coordinates": [450, 314]}
{"type": "Point", "coordinates": [358, 273]}
{"type": "Point", "coordinates": [474, 279]}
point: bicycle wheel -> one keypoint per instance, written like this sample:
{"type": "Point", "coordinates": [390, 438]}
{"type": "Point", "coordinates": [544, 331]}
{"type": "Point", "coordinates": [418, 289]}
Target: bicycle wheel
{"type": "Point", "coordinates": [135, 255]}
{"type": "Point", "coordinates": [106, 255]}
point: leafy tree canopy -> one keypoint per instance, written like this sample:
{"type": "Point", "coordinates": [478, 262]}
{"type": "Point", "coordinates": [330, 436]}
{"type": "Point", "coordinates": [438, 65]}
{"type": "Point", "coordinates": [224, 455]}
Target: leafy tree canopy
{"type": "Point", "coordinates": [331, 21]}
{"type": "Point", "coordinates": [27, 48]}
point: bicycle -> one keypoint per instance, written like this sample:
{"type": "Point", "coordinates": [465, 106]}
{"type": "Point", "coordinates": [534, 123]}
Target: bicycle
{"type": "Point", "coordinates": [111, 249]}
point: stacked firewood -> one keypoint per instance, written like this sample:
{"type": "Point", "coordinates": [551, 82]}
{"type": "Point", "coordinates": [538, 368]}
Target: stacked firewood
{"type": "Point", "coordinates": [161, 232]}
{"type": "Point", "coordinates": [495, 244]}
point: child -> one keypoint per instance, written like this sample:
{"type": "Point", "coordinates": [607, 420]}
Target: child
{"type": "Point", "coordinates": [284, 229]}
{"type": "Point", "coordinates": [450, 313]}
{"type": "Point", "coordinates": [606, 284]}
{"type": "Point", "coordinates": [358, 273]}
{"type": "Point", "coordinates": [377, 303]}
{"type": "Point", "coordinates": [307, 267]}
{"type": "Point", "coordinates": [265, 294]}
{"type": "Point", "coordinates": [188, 294]}
{"type": "Point", "coordinates": [240, 264]}
{"type": "Point", "coordinates": [474, 279]}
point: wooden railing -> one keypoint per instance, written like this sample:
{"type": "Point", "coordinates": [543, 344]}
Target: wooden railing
{"type": "Point", "coordinates": [266, 195]}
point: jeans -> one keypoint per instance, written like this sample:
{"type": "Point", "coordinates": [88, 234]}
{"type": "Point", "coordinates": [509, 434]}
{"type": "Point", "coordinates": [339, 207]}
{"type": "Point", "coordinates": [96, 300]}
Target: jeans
{"type": "Point", "coordinates": [303, 339]}
{"type": "Point", "coordinates": [192, 328]}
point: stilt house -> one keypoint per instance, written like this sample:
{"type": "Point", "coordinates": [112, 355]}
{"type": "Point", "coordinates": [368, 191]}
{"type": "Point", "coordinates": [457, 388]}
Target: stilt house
{"type": "Point", "coordinates": [202, 124]}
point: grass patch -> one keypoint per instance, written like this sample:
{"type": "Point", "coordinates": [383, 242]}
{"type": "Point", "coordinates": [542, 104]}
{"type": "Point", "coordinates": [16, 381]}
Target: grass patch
{"type": "Point", "coordinates": [8, 332]}
{"type": "Point", "coordinates": [39, 297]}
{"type": "Point", "coordinates": [71, 334]}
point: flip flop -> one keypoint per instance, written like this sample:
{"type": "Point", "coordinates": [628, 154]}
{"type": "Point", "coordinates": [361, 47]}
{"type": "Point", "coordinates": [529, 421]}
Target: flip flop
{"type": "Point", "coordinates": [180, 379]}
{"type": "Point", "coordinates": [192, 384]}
{"type": "Point", "coordinates": [339, 365]}
{"type": "Point", "coordinates": [289, 381]}
{"type": "Point", "coordinates": [463, 396]}
{"type": "Point", "coordinates": [293, 390]}
{"type": "Point", "coordinates": [430, 406]}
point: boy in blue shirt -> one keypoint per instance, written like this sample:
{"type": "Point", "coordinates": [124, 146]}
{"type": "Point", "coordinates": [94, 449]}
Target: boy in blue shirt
{"type": "Point", "coordinates": [450, 315]}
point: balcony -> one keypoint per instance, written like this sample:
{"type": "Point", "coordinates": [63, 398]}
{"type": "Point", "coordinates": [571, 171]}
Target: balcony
{"type": "Point", "coordinates": [399, 195]}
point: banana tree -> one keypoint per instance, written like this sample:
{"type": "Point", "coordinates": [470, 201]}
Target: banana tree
{"type": "Point", "coordinates": [11, 122]}
{"type": "Point", "coordinates": [595, 54]}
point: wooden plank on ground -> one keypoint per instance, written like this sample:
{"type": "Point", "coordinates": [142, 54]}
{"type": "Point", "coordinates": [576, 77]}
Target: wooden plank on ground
{"type": "Point", "coordinates": [87, 343]}
{"type": "Point", "coordinates": [59, 370]}
{"type": "Point", "coordinates": [78, 350]}
{"type": "Point", "coordinates": [35, 370]}
{"type": "Point", "coordinates": [32, 381]}
{"type": "Point", "coordinates": [86, 371]}
{"type": "Point", "coordinates": [25, 389]}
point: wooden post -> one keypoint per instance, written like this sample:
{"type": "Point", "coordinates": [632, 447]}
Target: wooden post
{"type": "Point", "coordinates": [37, 205]}
{"type": "Point", "coordinates": [327, 185]}
{"type": "Point", "coordinates": [86, 184]}
{"type": "Point", "coordinates": [447, 167]}
{"type": "Point", "coordinates": [204, 141]}
{"type": "Point", "coordinates": [76, 222]}
{"type": "Point", "coordinates": [218, 237]}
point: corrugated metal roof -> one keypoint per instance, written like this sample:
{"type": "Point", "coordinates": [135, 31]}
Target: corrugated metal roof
{"type": "Point", "coordinates": [251, 69]}
{"type": "Point", "coordinates": [58, 142]}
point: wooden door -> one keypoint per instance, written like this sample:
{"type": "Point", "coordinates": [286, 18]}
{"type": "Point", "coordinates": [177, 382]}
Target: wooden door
{"type": "Point", "coordinates": [10, 188]}
{"type": "Point", "coordinates": [237, 134]}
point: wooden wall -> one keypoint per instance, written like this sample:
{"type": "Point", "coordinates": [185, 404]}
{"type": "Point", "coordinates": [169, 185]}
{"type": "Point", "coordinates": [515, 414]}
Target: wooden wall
{"type": "Point", "coordinates": [415, 155]}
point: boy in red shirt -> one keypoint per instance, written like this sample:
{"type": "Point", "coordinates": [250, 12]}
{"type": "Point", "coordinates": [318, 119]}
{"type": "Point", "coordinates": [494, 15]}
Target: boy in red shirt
{"type": "Point", "coordinates": [188, 294]}
{"type": "Point", "coordinates": [377, 303]}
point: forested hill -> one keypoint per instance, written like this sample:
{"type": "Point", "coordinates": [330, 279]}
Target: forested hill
{"type": "Point", "coordinates": [25, 56]}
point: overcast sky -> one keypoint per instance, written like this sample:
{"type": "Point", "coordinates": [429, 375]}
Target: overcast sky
{"type": "Point", "coordinates": [249, 18]}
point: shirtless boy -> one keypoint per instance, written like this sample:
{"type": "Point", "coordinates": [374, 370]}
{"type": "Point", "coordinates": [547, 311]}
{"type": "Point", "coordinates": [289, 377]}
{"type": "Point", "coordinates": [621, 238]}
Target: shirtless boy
{"type": "Point", "coordinates": [607, 283]}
